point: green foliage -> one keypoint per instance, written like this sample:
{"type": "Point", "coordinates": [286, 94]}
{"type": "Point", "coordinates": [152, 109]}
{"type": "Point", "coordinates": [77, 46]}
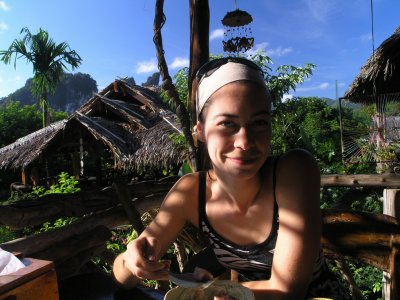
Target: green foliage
{"type": "Point", "coordinates": [368, 279]}
{"type": "Point", "coordinates": [181, 84]}
{"type": "Point", "coordinates": [6, 234]}
{"type": "Point", "coordinates": [61, 222]}
{"type": "Point", "coordinates": [66, 184]}
{"type": "Point", "coordinates": [311, 124]}
{"type": "Point", "coordinates": [284, 78]}
{"type": "Point", "coordinates": [372, 203]}
{"type": "Point", "coordinates": [17, 121]}
{"type": "Point", "coordinates": [177, 138]}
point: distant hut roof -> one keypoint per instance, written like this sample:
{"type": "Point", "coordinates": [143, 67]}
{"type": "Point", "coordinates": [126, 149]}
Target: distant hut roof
{"type": "Point", "coordinates": [28, 148]}
{"type": "Point", "coordinates": [131, 122]}
{"type": "Point", "coordinates": [380, 74]}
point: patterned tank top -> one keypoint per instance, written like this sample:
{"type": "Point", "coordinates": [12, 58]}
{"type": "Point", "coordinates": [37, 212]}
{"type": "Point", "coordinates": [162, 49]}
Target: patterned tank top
{"type": "Point", "coordinates": [255, 262]}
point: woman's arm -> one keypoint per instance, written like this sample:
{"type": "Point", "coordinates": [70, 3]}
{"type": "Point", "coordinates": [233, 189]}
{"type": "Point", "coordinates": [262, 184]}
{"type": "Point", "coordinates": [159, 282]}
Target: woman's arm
{"type": "Point", "coordinates": [297, 247]}
{"type": "Point", "coordinates": [141, 259]}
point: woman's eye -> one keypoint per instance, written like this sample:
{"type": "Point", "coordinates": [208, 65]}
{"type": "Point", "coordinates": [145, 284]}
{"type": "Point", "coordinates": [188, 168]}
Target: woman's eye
{"type": "Point", "coordinates": [227, 124]}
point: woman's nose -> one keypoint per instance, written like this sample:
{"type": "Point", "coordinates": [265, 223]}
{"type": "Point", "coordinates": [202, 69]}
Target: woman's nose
{"type": "Point", "coordinates": [243, 139]}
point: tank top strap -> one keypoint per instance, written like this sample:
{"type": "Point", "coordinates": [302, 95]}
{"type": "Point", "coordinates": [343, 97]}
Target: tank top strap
{"type": "Point", "coordinates": [202, 196]}
{"type": "Point", "coordinates": [275, 164]}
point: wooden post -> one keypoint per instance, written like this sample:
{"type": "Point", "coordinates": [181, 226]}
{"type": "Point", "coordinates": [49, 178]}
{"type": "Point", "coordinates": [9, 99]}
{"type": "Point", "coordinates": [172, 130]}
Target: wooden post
{"type": "Point", "coordinates": [24, 175]}
{"type": "Point", "coordinates": [199, 54]}
{"type": "Point", "coordinates": [75, 164]}
{"type": "Point", "coordinates": [98, 171]}
{"type": "Point", "coordinates": [199, 46]}
{"type": "Point", "coordinates": [391, 207]}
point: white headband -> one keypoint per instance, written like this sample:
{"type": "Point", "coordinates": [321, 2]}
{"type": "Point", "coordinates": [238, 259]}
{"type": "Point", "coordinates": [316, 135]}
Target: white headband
{"type": "Point", "coordinates": [227, 73]}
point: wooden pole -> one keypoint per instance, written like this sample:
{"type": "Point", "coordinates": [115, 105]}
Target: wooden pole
{"type": "Point", "coordinates": [340, 124]}
{"type": "Point", "coordinates": [199, 46]}
{"type": "Point", "coordinates": [199, 54]}
{"type": "Point", "coordinates": [391, 207]}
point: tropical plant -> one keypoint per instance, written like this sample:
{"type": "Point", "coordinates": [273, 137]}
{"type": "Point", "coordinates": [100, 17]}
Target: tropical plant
{"type": "Point", "coordinates": [284, 78]}
{"type": "Point", "coordinates": [17, 121]}
{"type": "Point", "coordinates": [49, 61]}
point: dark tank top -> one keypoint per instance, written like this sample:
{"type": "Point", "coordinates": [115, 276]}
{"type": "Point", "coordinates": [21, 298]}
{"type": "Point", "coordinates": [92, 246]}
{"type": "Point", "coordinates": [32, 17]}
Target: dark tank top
{"type": "Point", "coordinates": [251, 262]}
{"type": "Point", "coordinates": [255, 262]}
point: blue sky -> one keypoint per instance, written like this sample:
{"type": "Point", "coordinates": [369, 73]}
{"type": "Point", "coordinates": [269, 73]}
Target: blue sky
{"type": "Point", "coordinates": [114, 38]}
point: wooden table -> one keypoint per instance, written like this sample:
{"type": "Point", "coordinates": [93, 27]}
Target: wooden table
{"type": "Point", "coordinates": [37, 281]}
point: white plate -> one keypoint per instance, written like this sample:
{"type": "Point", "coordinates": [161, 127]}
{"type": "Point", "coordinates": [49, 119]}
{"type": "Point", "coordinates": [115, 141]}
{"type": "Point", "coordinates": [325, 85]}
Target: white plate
{"type": "Point", "coordinates": [233, 289]}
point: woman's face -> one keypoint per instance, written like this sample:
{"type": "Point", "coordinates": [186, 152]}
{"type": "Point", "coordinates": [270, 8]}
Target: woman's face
{"type": "Point", "coordinates": [236, 128]}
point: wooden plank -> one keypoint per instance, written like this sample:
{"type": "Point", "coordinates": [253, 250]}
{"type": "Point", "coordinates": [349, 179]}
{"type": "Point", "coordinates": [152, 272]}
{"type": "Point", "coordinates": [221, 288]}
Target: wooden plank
{"type": "Point", "coordinates": [52, 206]}
{"type": "Point", "coordinates": [43, 287]}
{"type": "Point", "coordinates": [389, 180]}
{"type": "Point", "coordinates": [363, 236]}
{"type": "Point", "coordinates": [35, 268]}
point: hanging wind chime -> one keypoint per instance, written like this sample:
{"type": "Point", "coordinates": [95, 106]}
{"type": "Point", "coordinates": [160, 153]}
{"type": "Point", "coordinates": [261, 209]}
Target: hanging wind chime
{"type": "Point", "coordinates": [237, 31]}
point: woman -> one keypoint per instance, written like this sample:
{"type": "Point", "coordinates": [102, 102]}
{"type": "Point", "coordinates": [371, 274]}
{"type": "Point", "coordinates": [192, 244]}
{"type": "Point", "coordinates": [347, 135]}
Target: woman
{"type": "Point", "coordinates": [242, 201]}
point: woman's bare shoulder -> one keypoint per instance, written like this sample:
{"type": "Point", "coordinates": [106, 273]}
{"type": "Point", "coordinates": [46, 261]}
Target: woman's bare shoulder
{"type": "Point", "coordinates": [297, 161]}
{"type": "Point", "coordinates": [182, 198]}
{"type": "Point", "coordinates": [187, 182]}
{"type": "Point", "coordinates": [298, 178]}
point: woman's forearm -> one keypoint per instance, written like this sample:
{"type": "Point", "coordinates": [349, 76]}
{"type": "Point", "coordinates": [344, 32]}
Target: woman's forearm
{"type": "Point", "coordinates": [122, 275]}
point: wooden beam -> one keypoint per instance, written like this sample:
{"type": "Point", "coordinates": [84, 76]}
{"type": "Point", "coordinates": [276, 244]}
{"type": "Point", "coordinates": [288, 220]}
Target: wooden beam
{"type": "Point", "coordinates": [389, 180]}
{"type": "Point", "coordinates": [53, 206]}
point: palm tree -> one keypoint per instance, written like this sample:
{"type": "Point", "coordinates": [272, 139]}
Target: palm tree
{"type": "Point", "coordinates": [48, 59]}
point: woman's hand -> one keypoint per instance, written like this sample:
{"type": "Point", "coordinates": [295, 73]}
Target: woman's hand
{"type": "Point", "coordinates": [141, 259]}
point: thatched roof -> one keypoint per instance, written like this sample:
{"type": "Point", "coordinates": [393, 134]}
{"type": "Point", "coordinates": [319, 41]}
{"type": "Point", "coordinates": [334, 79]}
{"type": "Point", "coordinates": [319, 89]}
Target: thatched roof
{"type": "Point", "coordinates": [130, 122]}
{"type": "Point", "coordinates": [28, 148]}
{"type": "Point", "coordinates": [380, 74]}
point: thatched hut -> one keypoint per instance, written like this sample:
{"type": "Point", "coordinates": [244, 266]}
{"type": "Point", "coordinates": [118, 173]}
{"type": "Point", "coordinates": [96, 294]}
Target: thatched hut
{"type": "Point", "coordinates": [128, 127]}
{"type": "Point", "coordinates": [380, 76]}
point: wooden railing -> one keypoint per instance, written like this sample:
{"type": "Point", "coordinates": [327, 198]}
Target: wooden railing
{"type": "Point", "coordinates": [370, 238]}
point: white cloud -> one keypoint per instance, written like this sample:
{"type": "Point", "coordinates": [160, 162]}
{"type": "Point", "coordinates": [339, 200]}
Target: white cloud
{"type": "Point", "coordinates": [257, 47]}
{"type": "Point", "coordinates": [146, 66]}
{"type": "Point", "coordinates": [3, 26]}
{"type": "Point", "coordinates": [4, 6]}
{"type": "Point", "coordinates": [216, 34]}
{"type": "Point", "coordinates": [322, 86]}
{"type": "Point", "coordinates": [320, 10]}
{"type": "Point", "coordinates": [179, 62]}
{"type": "Point", "coordinates": [278, 52]}
{"type": "Point", "coordinates": [287, 97]}
{"type": "Point", "coordinates": [366, 37]}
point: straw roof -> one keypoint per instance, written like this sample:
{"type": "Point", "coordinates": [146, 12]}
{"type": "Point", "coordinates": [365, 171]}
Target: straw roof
{"type": "Point", "coordinates": [24, 150]}
{"type": "Point", "coordinates": [380, 74]}
{"type": "Point", "coordinates": [130, 122]}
